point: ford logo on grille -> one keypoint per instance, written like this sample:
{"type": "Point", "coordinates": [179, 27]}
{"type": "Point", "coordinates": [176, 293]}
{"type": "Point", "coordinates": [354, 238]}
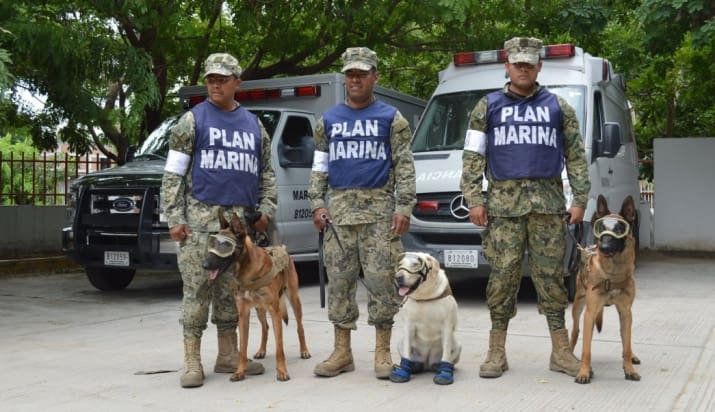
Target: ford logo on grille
{"type": "Point", "coordinates": [123, 204]}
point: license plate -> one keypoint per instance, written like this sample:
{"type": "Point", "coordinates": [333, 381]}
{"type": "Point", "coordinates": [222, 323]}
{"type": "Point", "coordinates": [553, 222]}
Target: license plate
{"type": "Point", "coordinates": [116, 258]}
{"type": "Point", "coordinates": [461, 259]}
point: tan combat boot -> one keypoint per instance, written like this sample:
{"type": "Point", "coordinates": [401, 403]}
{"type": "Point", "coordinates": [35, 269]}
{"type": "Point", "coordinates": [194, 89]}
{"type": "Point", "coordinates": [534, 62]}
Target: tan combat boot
{"type": "Point", "coordinates": [495, 364]}
{"type": "Point", "coordinates": [383, 358]}
{"type": "Point", "coordinates": [193, 375]}
{"type": "Point", "coordinates": [562, 358]}
{"type": "Point", "coordinates": [227, 359]}
{"type": "Point", "coordinates": [341, 360]}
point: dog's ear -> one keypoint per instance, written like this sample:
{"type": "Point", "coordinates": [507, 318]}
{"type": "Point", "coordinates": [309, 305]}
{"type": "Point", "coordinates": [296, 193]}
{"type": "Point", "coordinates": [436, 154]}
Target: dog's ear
{"type": "Point", "coordinates": [628, 210]}
{"type": "Point", "coordinates": [221, 219]}
{"type": "Point", "coordinates": [236, 226]}
{"type": "Point", "coordinates": [601, 208]}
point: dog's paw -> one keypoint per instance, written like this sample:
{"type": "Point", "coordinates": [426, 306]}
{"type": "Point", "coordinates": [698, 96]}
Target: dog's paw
{"type": "Point", "coordinates": [305, 355]}
{"type": "Point", "coordinates": [445, 374]}
{"type": "Point", "coordinates": [260, 355]}
{"type": "Point", "coordinates": [282, 376]}
{"type": "Point", "coordinates": [584, 378]}
{"type": "Point", "coordinates": [633, 376]}
{"type": "Point", "coordinates": [238, 376]}
{"type": "Point", "coordinates": [401, 373]}
{"type": "Point", "coordinates": [636, 360]}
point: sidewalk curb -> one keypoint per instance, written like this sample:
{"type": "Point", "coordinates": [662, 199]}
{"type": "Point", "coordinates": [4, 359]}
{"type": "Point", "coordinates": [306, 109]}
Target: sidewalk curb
{"type": "Point", "coordinates": [44, 264]}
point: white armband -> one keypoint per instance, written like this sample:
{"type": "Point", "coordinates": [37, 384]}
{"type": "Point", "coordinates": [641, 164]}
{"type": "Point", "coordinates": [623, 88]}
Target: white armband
{"type": "Point", "coordinates": [177, 162]}
{"type": "Point", "coordinates": [476, 141]}
{"type": "Point", "coordinates": [320, 161]}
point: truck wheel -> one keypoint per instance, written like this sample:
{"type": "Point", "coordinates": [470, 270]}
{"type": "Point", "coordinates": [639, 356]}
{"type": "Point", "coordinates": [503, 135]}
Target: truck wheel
{"type": "Point", "coordinates": [110, 279]}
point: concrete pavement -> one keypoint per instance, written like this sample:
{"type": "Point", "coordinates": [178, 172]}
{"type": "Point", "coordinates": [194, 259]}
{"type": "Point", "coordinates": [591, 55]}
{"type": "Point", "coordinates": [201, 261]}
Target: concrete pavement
{"type": "Point", "coordinates": [65, 346]}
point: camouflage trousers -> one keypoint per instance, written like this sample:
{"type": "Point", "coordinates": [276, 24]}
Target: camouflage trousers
{"type": "Point", "coordinates": [505, 241]}
{"type": "Point", "coordinates": [201, 294]}
{"type": "Point", "coordinates": [373, 249]}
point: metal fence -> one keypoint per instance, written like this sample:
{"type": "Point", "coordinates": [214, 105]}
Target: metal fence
{"type": "Point", "coordinates": [648, 192]}
{"type": "Point", "coordinates": [43, 179]}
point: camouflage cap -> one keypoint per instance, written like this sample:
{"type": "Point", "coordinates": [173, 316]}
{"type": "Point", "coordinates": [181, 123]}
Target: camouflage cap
{"type": "Point", "coordinates": [223, 64]}
{"type": "Point", "coordinates": [360, 58]}
{"type": "Point", "coordinates": [523, 49]}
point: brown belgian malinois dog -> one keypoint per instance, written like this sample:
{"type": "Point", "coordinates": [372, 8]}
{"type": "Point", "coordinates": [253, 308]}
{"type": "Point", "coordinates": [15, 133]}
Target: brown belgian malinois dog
{"type": "Point", "coordinates": [264, 277]}
{"type": "Point", "coordinates": [606, 277]}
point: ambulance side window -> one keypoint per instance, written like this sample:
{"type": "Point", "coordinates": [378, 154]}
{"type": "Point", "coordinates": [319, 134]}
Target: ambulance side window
{"type": "Point", "coordinates": [296, 146]}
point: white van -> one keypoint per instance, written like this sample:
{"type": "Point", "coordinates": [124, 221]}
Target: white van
{"type": "Point", "coordinates": [439, 223]}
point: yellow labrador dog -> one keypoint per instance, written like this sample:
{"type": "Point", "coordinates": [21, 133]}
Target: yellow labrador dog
{"type": "Point", "coordinates": [430, 318]}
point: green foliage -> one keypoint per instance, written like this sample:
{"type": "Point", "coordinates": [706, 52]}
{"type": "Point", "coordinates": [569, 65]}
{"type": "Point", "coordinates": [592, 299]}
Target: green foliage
{"type": "Point", "coordinates": [109, 70]}
{"type": "Point", "coordinates": [22, 177]}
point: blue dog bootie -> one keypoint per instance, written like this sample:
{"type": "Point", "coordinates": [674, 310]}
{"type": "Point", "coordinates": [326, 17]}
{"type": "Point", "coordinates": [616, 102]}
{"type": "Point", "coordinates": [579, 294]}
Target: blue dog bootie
{"type": "Point", "coordinates": [445, 373]}
{"type": "Point", "coordinates": [402, 372]}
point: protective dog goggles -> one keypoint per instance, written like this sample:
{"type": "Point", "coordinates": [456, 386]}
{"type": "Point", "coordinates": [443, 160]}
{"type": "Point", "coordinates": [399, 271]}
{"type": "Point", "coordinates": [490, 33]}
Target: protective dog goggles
{"type": "Point", "coordinates": [412, 264]}
{"type": "Point", "coordinates": [221, 246]}
{"type": "Point", "coordinates": [611, 225]}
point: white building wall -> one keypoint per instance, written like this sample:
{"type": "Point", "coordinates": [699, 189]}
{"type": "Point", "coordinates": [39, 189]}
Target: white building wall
{"type": "Point", "coordinates": [684, 176]}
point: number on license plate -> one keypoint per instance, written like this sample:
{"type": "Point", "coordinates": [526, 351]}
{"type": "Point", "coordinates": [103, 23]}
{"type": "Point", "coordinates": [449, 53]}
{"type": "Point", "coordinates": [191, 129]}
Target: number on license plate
{"type": "Point", "coordinates": [461, 259]}
{"type": "Point", "coordinates": [112, 258]}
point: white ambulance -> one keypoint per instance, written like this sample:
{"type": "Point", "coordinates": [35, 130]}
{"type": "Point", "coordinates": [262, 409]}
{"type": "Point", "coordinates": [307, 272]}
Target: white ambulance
{"type": "Point", "coordinates": [439, 222]}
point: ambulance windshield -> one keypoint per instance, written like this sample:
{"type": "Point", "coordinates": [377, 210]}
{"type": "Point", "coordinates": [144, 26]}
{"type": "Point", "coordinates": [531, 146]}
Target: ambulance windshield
{"type": "Point", "coordinates": [446, 118]}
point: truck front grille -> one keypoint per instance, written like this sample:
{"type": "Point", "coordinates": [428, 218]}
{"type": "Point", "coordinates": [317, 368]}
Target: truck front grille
{"type": "Point", "coordinates": [441, 207]}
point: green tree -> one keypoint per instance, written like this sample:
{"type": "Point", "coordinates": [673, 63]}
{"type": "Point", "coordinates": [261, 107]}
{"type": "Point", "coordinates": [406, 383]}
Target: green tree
{"type": "Point", "coordinates": [108, 69]}
{"type": "Point", "coordinates": [23, 177]}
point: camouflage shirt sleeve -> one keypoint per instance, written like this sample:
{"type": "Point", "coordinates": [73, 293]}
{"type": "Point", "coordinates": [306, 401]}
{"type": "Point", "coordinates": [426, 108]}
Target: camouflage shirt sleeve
{"type": "Point", "coordinates": [473, 163]}
{"type": "Point", "coordinates": [173, 186]}
{"type": "Point", "coordinates": [318, 180]}
{"type": "Point", "coordinates": [575, 155]}
{"type": "Point", "coordinates": [268, 192]}
{"type": "Point", "coordinates": [404, 166]}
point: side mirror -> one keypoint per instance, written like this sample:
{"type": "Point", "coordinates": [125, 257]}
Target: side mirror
{"type": "Point", "coordinates": [611, 140]}
{"type": "Point", "coordinates": [131, 152]}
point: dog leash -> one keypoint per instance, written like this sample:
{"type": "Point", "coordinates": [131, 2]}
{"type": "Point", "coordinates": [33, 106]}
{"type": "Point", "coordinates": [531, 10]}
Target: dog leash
{"type": "Point", "coordinates": [575, 257]}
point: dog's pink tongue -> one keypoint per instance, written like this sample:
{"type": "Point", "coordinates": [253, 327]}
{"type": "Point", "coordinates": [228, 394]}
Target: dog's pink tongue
{"type": "Point", "coordinates": [213, 274]}
{"type": "Point", "coordinates": [404, 290]}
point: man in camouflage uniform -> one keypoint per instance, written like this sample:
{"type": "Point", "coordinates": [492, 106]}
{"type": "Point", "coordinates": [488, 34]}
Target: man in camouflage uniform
{"type": "Point", "coordinates": [520, 138]}
{"type": "Point", "coordinates": [199, 180]}
{"type": "Point", "coordinates": [363, 182]}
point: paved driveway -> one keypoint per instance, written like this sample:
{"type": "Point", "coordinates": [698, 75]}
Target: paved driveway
{"type": "Point", "coordinates": [67, 347]}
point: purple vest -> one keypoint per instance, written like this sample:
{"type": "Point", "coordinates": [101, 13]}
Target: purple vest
{"type": "Point", "coordinates": [227, 156]}
{"type": "Point", "coordinates": [524, 136]}
{"type": "Point", "coordinates": [359, 143]}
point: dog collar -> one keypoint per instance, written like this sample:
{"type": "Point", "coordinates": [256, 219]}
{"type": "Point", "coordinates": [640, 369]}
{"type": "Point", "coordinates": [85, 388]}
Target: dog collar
{"type": "Point", "coordinates": [446, 292]}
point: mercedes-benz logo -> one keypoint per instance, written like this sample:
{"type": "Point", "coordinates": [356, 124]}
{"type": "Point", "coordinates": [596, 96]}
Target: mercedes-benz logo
{"type": "Point", "coordinates": [458, 208]}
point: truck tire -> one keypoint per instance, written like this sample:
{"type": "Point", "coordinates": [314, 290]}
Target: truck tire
{"type": "Point", "coordinates": [110, 279]}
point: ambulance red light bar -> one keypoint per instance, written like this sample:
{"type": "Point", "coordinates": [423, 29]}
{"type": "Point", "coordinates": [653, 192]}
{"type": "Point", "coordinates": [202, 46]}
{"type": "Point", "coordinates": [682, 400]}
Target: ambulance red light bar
{"type": "Point", "coordinates": [265, 94]}
{"type": "Point", "coordinates": [194, 100]}
{"type": "Point", "coordinates": [258, 94]}
{"type": "Point", "coordinates": [553, 51]}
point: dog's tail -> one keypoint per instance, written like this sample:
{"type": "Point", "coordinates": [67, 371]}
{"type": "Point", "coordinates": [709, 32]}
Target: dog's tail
{"type": "Point", "coordinates": [284, 308]}
{"type": "Point", "coordinates": [599, 320]}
